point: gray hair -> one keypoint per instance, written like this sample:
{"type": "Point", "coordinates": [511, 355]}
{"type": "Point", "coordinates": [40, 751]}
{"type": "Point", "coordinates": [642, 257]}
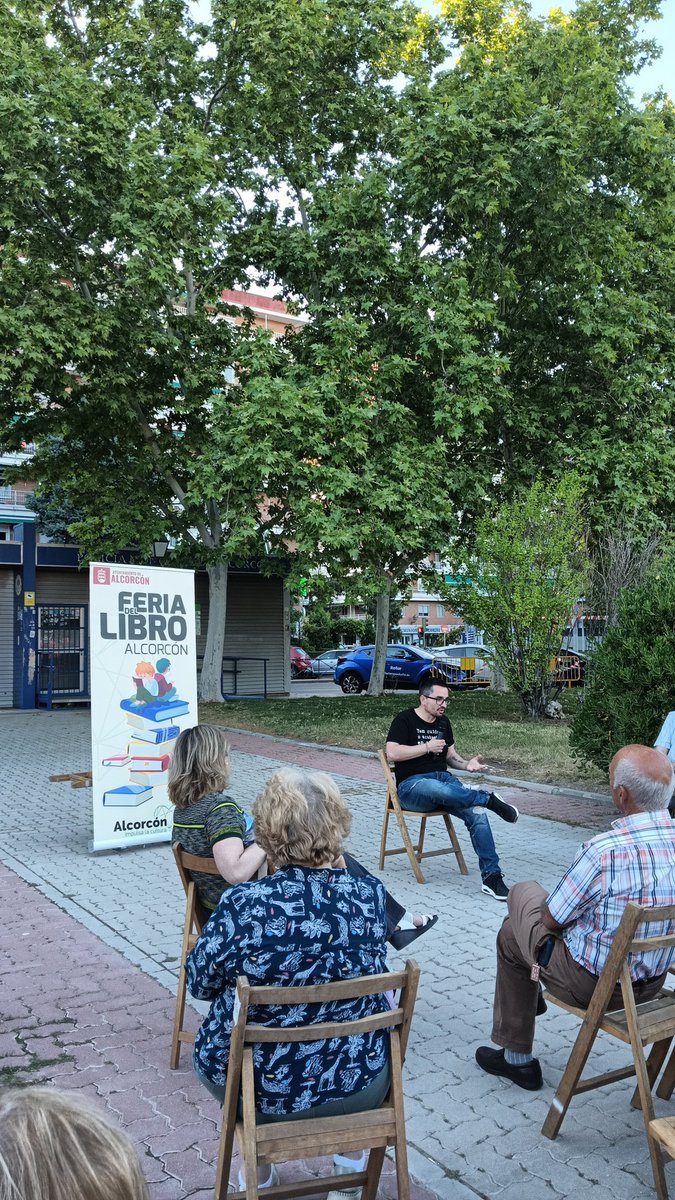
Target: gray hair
{"type": "Point", "coordinates": [650, 795]}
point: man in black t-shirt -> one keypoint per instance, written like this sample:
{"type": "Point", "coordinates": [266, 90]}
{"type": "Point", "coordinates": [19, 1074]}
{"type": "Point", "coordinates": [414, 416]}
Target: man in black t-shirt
{"type": "Point", "coordinates": [421, 745]}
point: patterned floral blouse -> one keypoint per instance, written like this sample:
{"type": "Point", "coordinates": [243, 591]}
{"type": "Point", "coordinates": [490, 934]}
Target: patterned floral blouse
{"type": "Point", "coordinates": [299, 926]}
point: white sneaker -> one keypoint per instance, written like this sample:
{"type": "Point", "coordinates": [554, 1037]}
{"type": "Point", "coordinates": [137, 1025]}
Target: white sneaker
{"type": "Point", "coordinates": [345, 1193]}
{"type": "Point", "coordinates": [270, 1182]}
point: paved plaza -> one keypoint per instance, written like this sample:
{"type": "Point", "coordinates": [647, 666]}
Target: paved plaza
{"type": "Point", "coordinates": [90, 962]}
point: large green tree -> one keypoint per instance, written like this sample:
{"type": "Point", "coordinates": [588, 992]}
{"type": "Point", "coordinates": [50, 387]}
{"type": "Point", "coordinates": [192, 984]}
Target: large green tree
{"type": "Point", "coordinates": [529, 161]}
{"type": "Point", "coordinates": [138, 141]}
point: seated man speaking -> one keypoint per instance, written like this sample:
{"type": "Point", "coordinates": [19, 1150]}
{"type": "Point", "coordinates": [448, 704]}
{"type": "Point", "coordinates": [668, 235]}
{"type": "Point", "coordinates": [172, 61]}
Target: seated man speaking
{"type": "Point", "coordinates": [634, 862]}
{"type": "Point", "coordinates": [421, 745]}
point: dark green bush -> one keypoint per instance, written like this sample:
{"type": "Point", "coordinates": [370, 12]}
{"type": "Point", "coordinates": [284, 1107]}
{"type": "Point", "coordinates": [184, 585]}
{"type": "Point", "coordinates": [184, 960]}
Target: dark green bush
{"type": "Point", "coordinates": [632, 673]}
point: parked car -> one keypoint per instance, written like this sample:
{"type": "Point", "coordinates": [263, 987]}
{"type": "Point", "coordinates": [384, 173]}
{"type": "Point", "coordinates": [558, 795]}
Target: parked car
{"type": "Point", "coordinates": [480, 673]}
{"type": "Point", "coordinates": [406, 667]}
{"type": "Point", "coordinates": [301, 663]}
{"type": "Point", "coordinates": [326, 662]}
{"type": "Point", "coordinates": [465, 650]}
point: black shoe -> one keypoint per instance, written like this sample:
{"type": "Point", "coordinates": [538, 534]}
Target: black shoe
{"type": "Point", "coordinates": [494, 1062]}
{"type": "Point", "coordinates": [542, 1006]}
{"type": "Point", "coordinates": [494, 886]}
{"type": "Point", "coordinates": [507, 812]}
{"type": "Point", "coordinates": [401, 938]}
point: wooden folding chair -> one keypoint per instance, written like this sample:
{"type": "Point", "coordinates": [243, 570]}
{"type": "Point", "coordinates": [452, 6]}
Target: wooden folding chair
{"type": "Point", "coordinates": [650, 1023]}
{"type": "Point", "coordinates": [415, 852]}
{"type": "Point", "coordinates": [282, 1141]}
{"type": "Point", "coordinates": [196, 917]}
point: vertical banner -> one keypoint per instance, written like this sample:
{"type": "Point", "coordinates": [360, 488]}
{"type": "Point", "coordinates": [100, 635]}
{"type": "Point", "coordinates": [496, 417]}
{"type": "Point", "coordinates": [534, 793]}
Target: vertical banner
{"type": "Point", "coordinates": [143, 693]}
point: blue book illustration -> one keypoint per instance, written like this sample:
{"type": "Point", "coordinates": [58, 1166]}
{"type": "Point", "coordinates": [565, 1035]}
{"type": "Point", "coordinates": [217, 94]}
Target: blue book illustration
{"type": "Point", "coordinates": [128, 796]}
{"type": "Point", "coordinates": [159, 710]}
{"type": "Point", "coordinates": [156, 736]}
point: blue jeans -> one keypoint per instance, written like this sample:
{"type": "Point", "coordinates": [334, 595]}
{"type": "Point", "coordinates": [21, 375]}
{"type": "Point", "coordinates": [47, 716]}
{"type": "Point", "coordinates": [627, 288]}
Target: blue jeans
{"type": "Point", "coordinates": [440, 789]}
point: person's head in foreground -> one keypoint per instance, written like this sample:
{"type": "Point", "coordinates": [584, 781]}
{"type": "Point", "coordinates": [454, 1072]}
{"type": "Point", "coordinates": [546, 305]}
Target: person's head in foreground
{"type": "Point", "coordinates": [641, 780]}
{"type": "Point", "coordinates": [200, 764]}
{"type": "Point", "coordinates": [301, 819]}
{"type": "Point", "coordinates": [53, 1146]}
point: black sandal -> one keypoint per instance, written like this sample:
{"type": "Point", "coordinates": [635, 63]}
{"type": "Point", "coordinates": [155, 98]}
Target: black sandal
{"type": "Point", "coordinates": [401, 938]}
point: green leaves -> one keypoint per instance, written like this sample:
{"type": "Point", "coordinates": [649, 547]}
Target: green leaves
{"type": "Point", "coordinates": [530, 564]}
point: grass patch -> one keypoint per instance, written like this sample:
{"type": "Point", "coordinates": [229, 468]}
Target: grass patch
{"type": "Point", "coordinates": [489, 723]}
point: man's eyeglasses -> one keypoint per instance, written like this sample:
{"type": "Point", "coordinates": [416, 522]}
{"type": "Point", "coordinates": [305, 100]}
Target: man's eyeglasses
{"type": "Point", "coordinates": [438, 699]}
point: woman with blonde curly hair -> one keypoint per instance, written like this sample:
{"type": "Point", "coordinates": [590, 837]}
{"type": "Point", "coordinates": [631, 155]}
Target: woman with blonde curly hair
{"type": "Point", "coordinates": [308, 923]}
{"type": "Point", "coordinates": [53, 1146]}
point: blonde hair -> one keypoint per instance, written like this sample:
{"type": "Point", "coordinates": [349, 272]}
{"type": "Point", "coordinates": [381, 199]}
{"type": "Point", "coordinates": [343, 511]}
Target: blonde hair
{"type": "Point", "coordinates": [200, 764]}
{"type": "Point", "coordinates": [144, 668]}
{"type": "Point", "coordinates": [53, 1146]}
{"type": "Point", "coordinates": [300, 817]}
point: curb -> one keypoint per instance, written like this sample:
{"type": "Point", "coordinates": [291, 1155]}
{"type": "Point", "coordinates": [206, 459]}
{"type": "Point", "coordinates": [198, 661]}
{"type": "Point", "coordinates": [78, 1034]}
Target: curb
{"type": "Point", "coordinates": [550, 789]}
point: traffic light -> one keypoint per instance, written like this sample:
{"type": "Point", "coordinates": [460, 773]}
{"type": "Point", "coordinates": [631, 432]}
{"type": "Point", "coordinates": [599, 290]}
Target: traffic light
{"type": "Point", "coordinates": [420, 630]}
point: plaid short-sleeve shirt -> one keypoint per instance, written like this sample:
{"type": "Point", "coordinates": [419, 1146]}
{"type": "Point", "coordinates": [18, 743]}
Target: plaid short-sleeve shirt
{"type": "Point", "coordinates": [634, 862]}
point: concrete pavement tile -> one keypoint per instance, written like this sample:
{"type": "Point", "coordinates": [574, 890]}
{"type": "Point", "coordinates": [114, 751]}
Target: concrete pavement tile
{"type": "Point", "coordinates": [187, 1166]}
{"type": "Point", "coordinates": [181, 1137]}
{"type": "Point", "coordinates": [172, 1189]}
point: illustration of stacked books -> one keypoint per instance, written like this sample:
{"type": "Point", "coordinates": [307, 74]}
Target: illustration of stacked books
{"type": "Point", "coordinates": [149, 750]}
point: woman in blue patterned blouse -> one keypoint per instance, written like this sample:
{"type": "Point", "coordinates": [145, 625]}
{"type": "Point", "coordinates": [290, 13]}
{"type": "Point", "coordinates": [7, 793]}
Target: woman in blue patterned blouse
{"type": "Point", "coordinates": [307, 923]}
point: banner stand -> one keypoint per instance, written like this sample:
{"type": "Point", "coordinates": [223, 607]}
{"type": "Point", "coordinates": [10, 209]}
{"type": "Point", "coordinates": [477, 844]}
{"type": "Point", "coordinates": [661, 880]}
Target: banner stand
{"type": "Point", "coordinates": [143, 656]}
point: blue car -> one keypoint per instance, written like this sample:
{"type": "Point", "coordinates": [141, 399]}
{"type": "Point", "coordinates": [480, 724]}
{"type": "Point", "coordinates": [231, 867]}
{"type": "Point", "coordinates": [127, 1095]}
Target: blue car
{"type": "Point", "coordinates": [407, 667]}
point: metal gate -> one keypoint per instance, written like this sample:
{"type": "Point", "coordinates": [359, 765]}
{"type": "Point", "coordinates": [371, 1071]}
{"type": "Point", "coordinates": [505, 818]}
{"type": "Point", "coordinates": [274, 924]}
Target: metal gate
{"type": "Point", "coordinates": [62, 653]}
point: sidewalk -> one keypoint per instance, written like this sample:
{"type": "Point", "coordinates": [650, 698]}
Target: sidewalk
{"type": "Point", "coordinates": [77, 1014]}
{"type": "Point", "coordinates": [105, 931]}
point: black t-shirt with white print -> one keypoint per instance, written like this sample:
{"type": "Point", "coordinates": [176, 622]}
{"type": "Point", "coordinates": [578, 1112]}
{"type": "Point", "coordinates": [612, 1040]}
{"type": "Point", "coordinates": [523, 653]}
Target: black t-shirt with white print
{"type": "Point", "coordinates": [410, 730]}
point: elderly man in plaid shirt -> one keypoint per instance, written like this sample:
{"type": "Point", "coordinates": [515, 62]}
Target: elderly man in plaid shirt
{"type": "Point", "coordinates": [633, 862]}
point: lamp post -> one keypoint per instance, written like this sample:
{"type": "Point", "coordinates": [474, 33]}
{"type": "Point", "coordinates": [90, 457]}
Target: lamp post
{"type": "Point", "coordinates": [159, 548]}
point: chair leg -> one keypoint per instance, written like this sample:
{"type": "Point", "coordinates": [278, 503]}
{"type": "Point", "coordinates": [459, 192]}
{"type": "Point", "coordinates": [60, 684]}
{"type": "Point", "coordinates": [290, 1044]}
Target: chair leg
{"type": "Point", "coordinates": [385, 826]}
{"type": "Point", "coordinates": [178, 1019]}
{"type": "Point", "coordinates": [373, 1173]}
{"type": "Point", "coordinates": [420, 840]}
{"type": "Point", "coordinates": [645, 1092]}
{"type": "Point", "coordinates": [665, 1089]}
{"type": "Point", "coordinates": [249, 1151]}
{"type": "Point", "coordinates": [571, 1075]}
{"type": "Point", "coordinates": [410, 849]}
{"type": "Point", "coordinates": [402, 1176]}
{"type": "Point", "coordinates": [224, 1163]}
{"type": "Point", "coordinates": [655, 1060]}
{"type": "Point", "coordinates": [463, 869]}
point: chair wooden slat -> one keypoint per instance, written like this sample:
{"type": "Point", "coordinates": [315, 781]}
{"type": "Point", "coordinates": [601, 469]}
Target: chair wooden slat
{"type": "Point", "coordinates": [415, 851]}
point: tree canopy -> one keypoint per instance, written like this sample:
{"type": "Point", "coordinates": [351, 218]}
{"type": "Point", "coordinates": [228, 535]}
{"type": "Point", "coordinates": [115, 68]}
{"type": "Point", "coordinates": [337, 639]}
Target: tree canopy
{"type": "Point", "coordinates": [472, 215]}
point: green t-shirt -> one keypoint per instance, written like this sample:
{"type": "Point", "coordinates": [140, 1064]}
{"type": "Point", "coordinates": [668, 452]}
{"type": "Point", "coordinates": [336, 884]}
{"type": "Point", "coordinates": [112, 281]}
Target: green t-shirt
{"type": "Point", "coordinates": [198, 828]}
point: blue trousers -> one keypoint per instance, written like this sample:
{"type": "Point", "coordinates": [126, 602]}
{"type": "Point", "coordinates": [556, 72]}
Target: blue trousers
{"type": "Point", "coordinates": [440, 789]}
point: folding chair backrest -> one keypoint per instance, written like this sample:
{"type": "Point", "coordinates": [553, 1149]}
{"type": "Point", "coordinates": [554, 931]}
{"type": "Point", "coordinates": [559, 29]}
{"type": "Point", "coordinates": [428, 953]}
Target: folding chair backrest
{"type": "Point", "coordinates": [346, 989]}
{"type": "Point", "coordinates": [389, 776]}
{"type": "Point", "coordinates": [274, 1143]}
{"type": "Point", "coordinates": [625, 942]}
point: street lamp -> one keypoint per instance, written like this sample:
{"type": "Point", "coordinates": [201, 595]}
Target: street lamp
{"type": "Point", "coordinates": [160, 547]}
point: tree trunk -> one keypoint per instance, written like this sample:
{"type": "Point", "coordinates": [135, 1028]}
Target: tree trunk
{"type": "Point", "coordinates": [535, 701]}
{"type": "Point", "coordinates": [210, 681]}
{"type": "Point", "coordinates": [376, 685]}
